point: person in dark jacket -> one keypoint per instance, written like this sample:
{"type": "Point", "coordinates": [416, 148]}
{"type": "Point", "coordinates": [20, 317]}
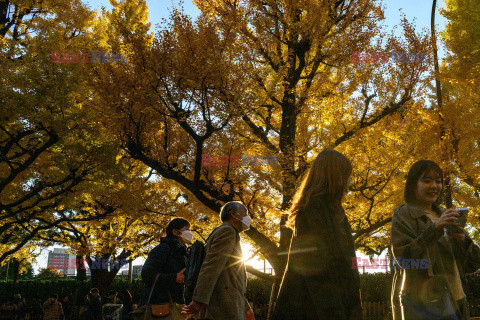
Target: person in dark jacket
{"type": "Point", "coordinates": [67, 307]}
{"type": "Point", "coordinates": [437, 290]}
{"type": "Point", "coordinates": [94, 306]}
{"type": "Point", "coordinates": [168, 259]}
{"type": "Point", "coordinates": [319, 281]}
{"type": "Point", "coordinates": [36, 310]}
{"type": "Point", "coordinates": [126, 299]}
{"type": "Point", "coordinates": [111, 297]}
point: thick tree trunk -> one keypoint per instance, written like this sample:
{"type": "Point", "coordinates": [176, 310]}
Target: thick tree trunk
{"type": "Point", "coordinates": [81, 269]}
{"type": "Point", "coordinates": [102, 279]}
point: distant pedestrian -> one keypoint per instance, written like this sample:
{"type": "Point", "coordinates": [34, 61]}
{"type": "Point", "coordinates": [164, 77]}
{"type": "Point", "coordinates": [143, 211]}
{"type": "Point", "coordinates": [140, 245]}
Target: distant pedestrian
{"type": "Point", "coordinates": [22, 308]}
{"type": "Point", "coordinates": [111, 298]}
{"type": "Point", "coordinates": [94, 306]}
{"type": "Point", "coordinates": [126, 299]}
{"type": "Point", "coordinates": [67, 306]}
{"type": "Point", "coordinates": [52, 308]}
{"type": "Point", "coordinates": [36, 311]}
{"type": "Point", "coordinates": [8, 310]}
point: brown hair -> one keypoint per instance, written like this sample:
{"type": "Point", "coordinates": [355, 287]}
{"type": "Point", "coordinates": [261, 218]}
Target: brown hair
{"type": "Point", "coordinates": [416, 172]}
{"type": "Point", "coordinates": [327, 177]}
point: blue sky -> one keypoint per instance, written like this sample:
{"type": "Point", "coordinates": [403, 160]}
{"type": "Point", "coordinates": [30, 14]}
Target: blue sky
{"type": "Point", "coordinates": [413, 9]}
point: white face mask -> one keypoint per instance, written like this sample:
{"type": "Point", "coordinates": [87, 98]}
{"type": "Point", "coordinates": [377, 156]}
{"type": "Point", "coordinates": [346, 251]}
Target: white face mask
{"type": "Point", "coordinates": [187, 236]}
{"type": "Point", "coordinates": [246, 222]}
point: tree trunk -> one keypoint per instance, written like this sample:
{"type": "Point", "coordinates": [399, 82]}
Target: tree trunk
{"type": "Point", "coordinates": [130, 271]}
{"type": "Point", "coordinates": [16, 269]}
{"type": "Point", "coordinates": [102, 279]}
{"type": "Point", "coordinates": [447, 155]}
{"type": "Point", "coordinates": [448, 191]}
{"type": "Point", "coordinates": [81, 268]}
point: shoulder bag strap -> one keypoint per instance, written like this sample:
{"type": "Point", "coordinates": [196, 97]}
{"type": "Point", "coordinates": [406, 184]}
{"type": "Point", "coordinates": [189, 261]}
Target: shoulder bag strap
{"type": "Point", "coordinates": [153, 286]}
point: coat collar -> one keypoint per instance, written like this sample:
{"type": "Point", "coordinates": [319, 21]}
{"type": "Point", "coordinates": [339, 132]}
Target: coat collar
{"type": "Point", "coordinates": [416, 211]}
{"type": "Point", "coordinates": [174, 244]}
{"type": "Point", "coordinates": [231, 225]}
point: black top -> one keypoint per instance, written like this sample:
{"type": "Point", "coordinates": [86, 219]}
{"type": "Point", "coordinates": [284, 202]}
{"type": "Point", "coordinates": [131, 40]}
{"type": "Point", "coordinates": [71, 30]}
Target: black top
{"type": "Point", "coordinates": [168, 259]}
{"type": "Point", "coordinates": [94, 308]}
{"type": "Point", "coordinates": [319, 282]}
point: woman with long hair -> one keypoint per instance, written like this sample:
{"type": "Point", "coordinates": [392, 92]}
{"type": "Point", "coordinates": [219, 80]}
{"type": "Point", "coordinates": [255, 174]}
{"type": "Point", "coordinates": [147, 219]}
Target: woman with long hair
{"type": "Point", "coordinates": [429, 262]}
{"type": "Point", "coordinates": [319, 281]}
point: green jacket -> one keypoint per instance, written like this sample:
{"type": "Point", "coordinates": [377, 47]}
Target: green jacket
{"type": "Point", "coordinates": [222, 282]}
{"type": "Point", "coordinates": [414, 236]}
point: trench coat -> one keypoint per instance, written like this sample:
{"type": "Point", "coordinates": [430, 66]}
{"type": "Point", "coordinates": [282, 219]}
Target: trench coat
{"type": "Point", "coordinates": [222, 282]}
{"type": "Point", "coordinates": [414, 236]}
{"type": "Point", "coordinates": [319, 282]}
{"type": "Point", "coordinates": [168, 258]}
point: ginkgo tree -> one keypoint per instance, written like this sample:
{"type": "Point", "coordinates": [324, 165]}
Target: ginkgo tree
{"type": "Point", "coordinates": [140, 208]}
{"type": "Point", "coordinates": [267, 78]}
{"type": "Point", "coordinates": [49, 145]}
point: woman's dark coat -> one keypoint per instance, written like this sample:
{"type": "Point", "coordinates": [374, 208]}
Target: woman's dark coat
{"type": "Point", "coordinates": [414, 236]}
{"type": "Point", "coordinates": [319, 282]}
{"type": "Point", "coordinates": [168, 259]}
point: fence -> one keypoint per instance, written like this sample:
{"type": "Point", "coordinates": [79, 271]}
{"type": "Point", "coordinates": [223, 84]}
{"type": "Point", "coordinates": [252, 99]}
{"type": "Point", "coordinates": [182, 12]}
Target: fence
{"type": "Point", "coordinates": [376, 311]}
{"type": "Point", "coordinates": [371, 310]}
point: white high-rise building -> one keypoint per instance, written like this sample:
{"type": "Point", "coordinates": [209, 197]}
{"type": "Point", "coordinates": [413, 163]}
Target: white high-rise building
{"type": "Point", "coordinates": [59, 259]}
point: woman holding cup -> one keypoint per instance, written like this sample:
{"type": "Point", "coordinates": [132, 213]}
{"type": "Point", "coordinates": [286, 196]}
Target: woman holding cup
{"type": "Point", "coordinates": [419, 231]}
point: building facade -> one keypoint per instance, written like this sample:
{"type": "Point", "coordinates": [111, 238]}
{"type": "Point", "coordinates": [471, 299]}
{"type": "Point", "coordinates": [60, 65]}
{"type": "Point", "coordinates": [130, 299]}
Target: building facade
{"type": "Point", "coordinates": [60, 260]}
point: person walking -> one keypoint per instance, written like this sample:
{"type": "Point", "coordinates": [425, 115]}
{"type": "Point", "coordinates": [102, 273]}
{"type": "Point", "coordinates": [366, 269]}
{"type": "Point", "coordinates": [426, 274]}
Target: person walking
{"type": "Point", "coordinates": [111, 297]}
{"type": "Point", "coordinates": [36, 310]}
{"type": "Point", "coordinates": [221, 285]}
{"type": "Point", "coordinates": [319, 282]}
{"type": "Point", "coordinates": [67, 307]}
{"type": "Point", "coordinates": [418, 232]}
{"type": "Point", "coordinates": [166, 262]}
{"type": "Point", "coordinates": [8, 310]}
{"type": "Point", "coordinates": [93, 306]}
{"type": "Point", "coordinates": [52, 308]}
{"type": "Point", "coordinates": [126, 299]}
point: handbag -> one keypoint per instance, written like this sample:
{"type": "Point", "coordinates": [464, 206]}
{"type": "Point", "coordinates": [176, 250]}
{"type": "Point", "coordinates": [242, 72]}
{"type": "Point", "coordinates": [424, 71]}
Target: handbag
{"type": "Point", "coordinates": [165, 311]}
{"type": "Point", "coordinates": [152, 311]}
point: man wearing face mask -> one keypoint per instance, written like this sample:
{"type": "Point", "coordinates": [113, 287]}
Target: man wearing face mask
{"type": "Point", "coordinates": [168, 259]}
{"type": "Point", "coordinates": [222, 284]}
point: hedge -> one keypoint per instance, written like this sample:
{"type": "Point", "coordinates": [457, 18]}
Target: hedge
{"type": "Point", "coordinates": [375, 287]}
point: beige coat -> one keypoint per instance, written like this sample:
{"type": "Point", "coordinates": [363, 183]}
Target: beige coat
{"type": "Point", "coordinates": [414, 236]}
{"type": "Point", "coordinates": [222, 282]}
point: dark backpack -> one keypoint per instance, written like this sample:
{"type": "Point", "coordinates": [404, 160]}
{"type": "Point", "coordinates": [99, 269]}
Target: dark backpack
{"type": "Point", "coordinates": [195, 257]}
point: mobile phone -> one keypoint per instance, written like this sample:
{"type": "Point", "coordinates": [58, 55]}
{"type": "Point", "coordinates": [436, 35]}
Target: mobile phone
{"type": "Point", "coordinates": [462, 221]}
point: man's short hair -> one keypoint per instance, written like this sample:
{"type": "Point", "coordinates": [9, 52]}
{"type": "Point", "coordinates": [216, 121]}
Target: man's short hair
{"type": "Point", "coordinates": [94, 290]}
{"type": "Point", "coordinates": [229, 208]}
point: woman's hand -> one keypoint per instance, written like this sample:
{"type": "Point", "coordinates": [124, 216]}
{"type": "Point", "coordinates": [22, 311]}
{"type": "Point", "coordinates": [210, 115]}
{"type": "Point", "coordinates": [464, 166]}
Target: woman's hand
{"type": "Point", "coordinates": [458, 235]}
{"type": "Point", "coordinates": [181, 276]}
{"type": "Point", "coordinates": [448, 218]}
